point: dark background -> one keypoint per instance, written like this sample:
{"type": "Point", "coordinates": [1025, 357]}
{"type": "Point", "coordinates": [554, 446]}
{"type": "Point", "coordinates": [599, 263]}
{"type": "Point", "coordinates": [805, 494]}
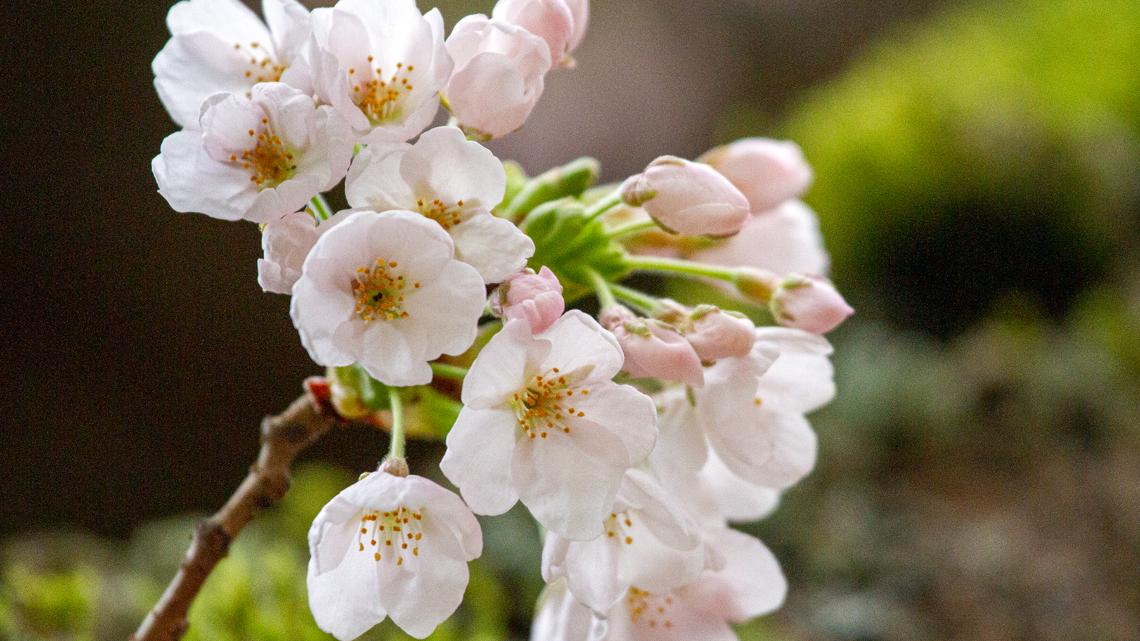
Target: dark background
{"type": "Point", "coordinates": [139, 353]}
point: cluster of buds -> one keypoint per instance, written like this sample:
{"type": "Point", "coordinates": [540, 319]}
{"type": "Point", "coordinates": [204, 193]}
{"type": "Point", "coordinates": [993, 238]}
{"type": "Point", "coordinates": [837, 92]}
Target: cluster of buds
{"type": "Point", "coordinates": [634, 438]}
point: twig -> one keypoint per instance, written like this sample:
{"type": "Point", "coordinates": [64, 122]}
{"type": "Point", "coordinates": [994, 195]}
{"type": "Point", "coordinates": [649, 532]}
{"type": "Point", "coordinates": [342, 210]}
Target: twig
{"type": "Point", "coordinates": [283, 437]}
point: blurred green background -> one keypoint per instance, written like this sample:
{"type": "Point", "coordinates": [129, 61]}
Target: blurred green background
{"type": "Point", "coordinates": [978, 184]}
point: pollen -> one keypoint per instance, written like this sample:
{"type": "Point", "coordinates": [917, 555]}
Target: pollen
{"type": "Point", "coordinates": [380, 97]}
{"type": "Point", "coordinates": [261, 66]}
{"type": "Point", "coordinates": [541, 408]}
{"type": "Point", "coordinates": [268, 159]}
{"type": "Point", "coordinates": [386, 527]}
{"type": "Point", "coordinates": [446, 215]}
{"type": "Point", "coordinates": [379, 292]}
{"type": "Point", "coordinates": [617, 526]}
{"type": "Point", "coordinates": [646, 608]}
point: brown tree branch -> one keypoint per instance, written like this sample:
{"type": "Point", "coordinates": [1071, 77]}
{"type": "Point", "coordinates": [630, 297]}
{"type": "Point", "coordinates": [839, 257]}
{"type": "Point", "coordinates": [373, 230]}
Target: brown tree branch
{"type": "Point", "coordinates": [283, 437]}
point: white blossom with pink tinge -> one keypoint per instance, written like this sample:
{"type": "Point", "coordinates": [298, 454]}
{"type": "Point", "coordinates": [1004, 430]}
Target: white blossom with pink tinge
{"type": "Point", "coordinates": [384, 290]}
{"type": "Point", "coordinates": [532, 297]}
{"type": "Point", "coordinates": [749, 585]}
{"type": "Point", "coordinates": [256, 158]}
{"type": "Point", "coordinates": [500, 72]}
{"type": "Point", "coordinates": [285, 243]}
{"type": "Point", "coordinates": [390, 546]}
{"type": "Point", "coordinates": [542, 422]}
{"type": "Point", "coordinates": [784, 240]}
{"type": "Point", "coordinates": [687, 198]}
{"type": "Point", "coordinates": [653, 349]}
{"type": "Point", "coordinates": [220, 46]}
{"type": "Point", "coordinates": [649, 542]}
{"type": "Point", "coordinates": [552, 20]}
{"type": "Point", "coordinates": [768, 172]}
{"type": "Point", "coordinates": [450, 180]}
{"type": "Point", "coordinates": [381, 64]}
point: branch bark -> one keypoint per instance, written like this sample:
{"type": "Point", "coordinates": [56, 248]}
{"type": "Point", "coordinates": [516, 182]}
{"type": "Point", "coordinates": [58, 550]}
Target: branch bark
{"type": "Point", "coordinates": [283, 437]}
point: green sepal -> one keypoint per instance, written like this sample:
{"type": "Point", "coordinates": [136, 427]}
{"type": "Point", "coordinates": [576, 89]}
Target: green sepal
{"type": "Point", "coordinates": [356, 394]}
{"type": "Point", "coordinates": [516, 180]}
{"type": "Point", "coordinates": [569, 180]}
{"type": "Point", "coordinates": [568, 243]}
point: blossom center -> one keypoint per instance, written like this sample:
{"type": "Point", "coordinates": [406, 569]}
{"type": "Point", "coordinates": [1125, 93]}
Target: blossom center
{"type": "Point", "coordinates": [379, 97]}
{"type": "Point", "coordinates": [262, 67]}
{"type": "Point", "coordinates": [439, 211]}
{"type": "Point", "coordinates": [617, 526]}
{"type": "Point", "coordinates": [379, 292]}
{"type": "Point", "coordinates": [268, 160]}
{"type": "Point", "coordinates": [648, 609]}
{"type": "Point", "coordinates": [391, 535]}
{"type": "Point", "coordinates": [545, 404]}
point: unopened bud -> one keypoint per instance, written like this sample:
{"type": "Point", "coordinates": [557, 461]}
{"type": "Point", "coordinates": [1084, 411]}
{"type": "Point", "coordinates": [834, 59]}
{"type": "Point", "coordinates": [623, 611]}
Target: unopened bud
{"type": "Point", "coordinates": [768, 172]}
{"type": "Point", "coordinates": [809, 303]}
{"type": "Point", "coordinates": [653, 349]}
{"type": "Point", "coordinates": [717, 334]}
{"type": "Point", "coordinates": [535, 298]}
{"type": "Point", "coordinates": [687, 198]}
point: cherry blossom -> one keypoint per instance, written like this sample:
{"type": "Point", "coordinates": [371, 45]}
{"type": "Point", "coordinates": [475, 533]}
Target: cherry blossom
{"type": "Point", "coordinates": [749, 584]}
{"type": "Point", "coordinates": [648, 542]}
{"type": "Point", "coordinates": [285, 243]}
{"type": "Point", "coordinates": [500, 71]}
{"type": "Point", "coordinates": [784, 240]}
{"type": "Point", "coordinates": [256, 158]}
{"type": "Point", "coordinates": [384, 290]}
{"type": "Point", "coordinates": [220, 46]}
{"type": "Point", "coordinates": [454, 182]}
{"type": "Point", "coordinates": [809, 303]}
{"type": "Point", "coordinates": [390, 546]}
{"type": "Point", "coordinates": [381, 64]}
{"type": "Point", "coordinates": [533, 297]}
{"type": "Point", "coordinates": [652, 348]}
{"type": "Point", "coordinates": [768, 172]}
{"type": "Point", "coordinates": [543, 422]}
{"type": "Point", "coordinates": [687, 198]}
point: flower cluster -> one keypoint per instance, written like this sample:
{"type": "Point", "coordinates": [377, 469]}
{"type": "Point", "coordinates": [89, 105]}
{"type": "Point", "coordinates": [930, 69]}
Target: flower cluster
{"type": "Point", "coordinates": [633, 438]}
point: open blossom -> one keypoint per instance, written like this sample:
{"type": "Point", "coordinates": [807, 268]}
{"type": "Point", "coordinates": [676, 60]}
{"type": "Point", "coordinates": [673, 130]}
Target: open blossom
{"type": "Point", "coordinates": [381, 64]}
{"type": "Point", "coordinates": [220, 46]}
{"type": "Point", "coordinates": [533, 297]}
{"type": "Point", "coordinates": [285, 243]}
{"type": "Point", "coordinates": [784, 240]}
{"type": "Point", "coordinates": [390, 546]}
{"type": "Point", "coordinates": [500, 71]}
{"type": "Point", "coordinates": [384, 290]}
{"type": "Point", "coordinates": [648, 542]}
{"type": "Point", "coordinates": [768, 172]}
{"type": "Point", "coordinates": [809, 303]}
{"type": "Point", "coordinates": [543, 422]}
{"type": "Point", "coordinates": [749, 584]}
{"type": "Point", "coordinates": [452, 181]}
{"type": "Point", "coordinates": [652, 348]}
{"type": "Point", "coordinates": [552, 20]}
{"type": "Point", "coordinates": [255, 158]}
{"type": "Point", "coordinates": [687, 198]}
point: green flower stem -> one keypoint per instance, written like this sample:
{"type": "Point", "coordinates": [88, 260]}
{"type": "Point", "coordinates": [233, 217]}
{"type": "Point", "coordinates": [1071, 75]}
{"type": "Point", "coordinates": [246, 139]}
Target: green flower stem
{"type": "Point", "coordinates": [644, 302]}
{"type": "Point", "coordinates": [320, 207]}
{"type": "Point", "coordinates": [631, 228]}
{"type": "Point", "coordinates": [570, 179]}
{"type": "Point", "coordinates": [454, 372]}
{"type": "Point", "coordinates": [601, 288]}
{"type": "Point", "coordinates": [681, 267]}
{"type": "Point", "coordinates": [605, 204]}
{"type": "Point", "coordinates": [396, 449]}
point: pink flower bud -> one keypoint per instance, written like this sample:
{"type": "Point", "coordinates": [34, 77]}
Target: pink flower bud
{"type": "Point", "coordinates": [717, 334]}
{"type": "Point", "coordinates": [285, 242]}
{"type": "Point", "coordinates": [768, 172]}
{"type": "Point", "coordinates": [499, 75]}
{"type": "Point", "coordinates": [535, 298]}
{"type": "Point", "coordinates": [550, 20]}
{"type": "Point", "coordinates": [653, 349]}
{"type": "Point", "coordinates": [687, 198]}
{"type": "Point", "coordinates": [809, 303]}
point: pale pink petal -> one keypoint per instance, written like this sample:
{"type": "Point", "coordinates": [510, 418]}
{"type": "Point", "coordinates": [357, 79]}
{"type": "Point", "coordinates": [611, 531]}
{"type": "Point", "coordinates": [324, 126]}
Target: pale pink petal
{"type": "Point", "coordinates": [568, 491]}
{"type": "Point", "coordinates": [478, 459]}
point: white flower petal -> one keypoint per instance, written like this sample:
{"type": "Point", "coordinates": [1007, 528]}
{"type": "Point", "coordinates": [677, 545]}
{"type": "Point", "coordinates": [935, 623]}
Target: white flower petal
{"type": "Point", "coordinates": [451, 290]}
{"type": "Point", "coordinates": [420, 596]}
{"type": "Point", "coordinates": [454, 168]}
{"type": "Point", "coordinates": [478, 459]}
{"type": "Point", "coordinates": [500, 369]}
{"type": "Point", "coordinates": [335, 598]}
{"type": "Point", "coordinates": [802, 377]}
{"type": "Point", "coordinates": [374, 180]}
{"type": "Point", "coordinates": [592, 573]}
{"type": "Point", "coordinates": [192, 182]}
{"type": "Point", "coordinates": [738, 500]}
{"type": "Point", "coordinates": [751, 583]}
{"type": "Point", "coordinates": [765, 447]}
{"type": "Point", "coordinates": [623, 411]}
{"type": "Point", "coordinates": [567, 491]}
{"type": "Point", "coordinates": [494, 246]}
{"type": "Point", "coordinates": [577, 341]}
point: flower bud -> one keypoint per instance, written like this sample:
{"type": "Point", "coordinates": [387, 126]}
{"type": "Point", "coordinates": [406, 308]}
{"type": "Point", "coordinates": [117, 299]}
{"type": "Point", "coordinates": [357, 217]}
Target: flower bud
{"type": "Point", "coordinates": [768, 172]}
{"type": "Point", "coordinates": [535, 298]}
{"type": "Point", "coordinates": [717, 334]}
{"type": "Point", "coordinates": [550, 20]}
{"type": "Point", "coordinates": [809, 303]}
{"type": "Point", "coordinates": [498, 78]}
{"type": "Point", "coordinates": [652, 348]}
{"type": "Point", "coordinates": [687, 198]}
